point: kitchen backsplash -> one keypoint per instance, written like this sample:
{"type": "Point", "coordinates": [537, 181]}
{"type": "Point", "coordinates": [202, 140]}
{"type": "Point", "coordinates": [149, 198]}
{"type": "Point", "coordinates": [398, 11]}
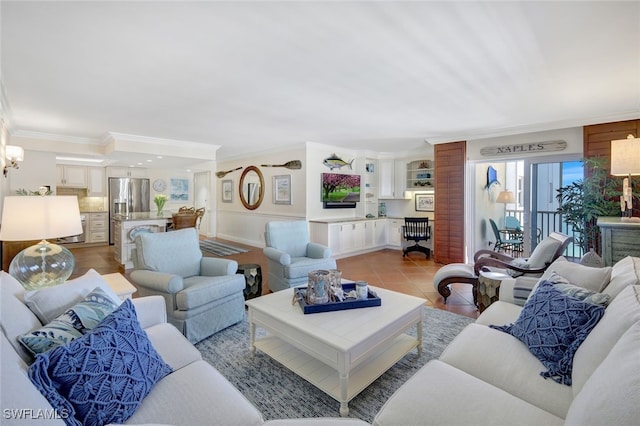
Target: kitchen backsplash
{"type": "Point", "coordinates": [86, 204]}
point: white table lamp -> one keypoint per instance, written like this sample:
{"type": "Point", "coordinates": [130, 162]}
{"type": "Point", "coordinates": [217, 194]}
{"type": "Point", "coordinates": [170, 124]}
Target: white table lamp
{"type": "Point", "coordinates": [625, 161]}
{"type": "Point", "coordinates": [38, 217]}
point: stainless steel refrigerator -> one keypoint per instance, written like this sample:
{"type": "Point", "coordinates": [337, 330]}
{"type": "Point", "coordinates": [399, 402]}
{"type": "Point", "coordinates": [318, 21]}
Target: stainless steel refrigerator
{"type": "Point", "coordinates": [126, 196]}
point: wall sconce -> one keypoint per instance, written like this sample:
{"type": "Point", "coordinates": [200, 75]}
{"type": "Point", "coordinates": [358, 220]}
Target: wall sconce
{"type": "Point", "coordinates": [625, 161]}
{"type": "Point", "coordinates": [13, 155]}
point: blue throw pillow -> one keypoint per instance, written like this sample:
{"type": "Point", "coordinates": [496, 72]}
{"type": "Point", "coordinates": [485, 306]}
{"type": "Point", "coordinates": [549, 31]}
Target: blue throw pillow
{"type": "Point", "coordinates": [103, 376]}
{"type": "Point", "coordinates": [553, 326]}
{"type": "Point", "coordinates": [75, 322]}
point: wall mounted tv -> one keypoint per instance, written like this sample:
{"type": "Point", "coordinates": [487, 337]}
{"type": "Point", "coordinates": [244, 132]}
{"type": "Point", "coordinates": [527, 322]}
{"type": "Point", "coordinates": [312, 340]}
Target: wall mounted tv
{"type": "Point", "coordinates": [340, 191]}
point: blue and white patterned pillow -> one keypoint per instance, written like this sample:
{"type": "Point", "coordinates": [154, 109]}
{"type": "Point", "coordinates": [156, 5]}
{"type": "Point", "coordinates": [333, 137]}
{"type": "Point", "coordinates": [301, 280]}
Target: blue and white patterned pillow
{"type": "Point", "coordinates": [75, 322]}
{"type": "Point", "coordinates": [103, 376]}
{"type": "Point", "coordinates": [553, 326]}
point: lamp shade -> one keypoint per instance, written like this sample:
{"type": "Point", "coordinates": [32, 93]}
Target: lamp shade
{"type": "Point", "coordinates": [506, 197]}
{"type": "Point", "coordinates": [625, 156]}
{"type": "Point", "coordinates": [39, 217]}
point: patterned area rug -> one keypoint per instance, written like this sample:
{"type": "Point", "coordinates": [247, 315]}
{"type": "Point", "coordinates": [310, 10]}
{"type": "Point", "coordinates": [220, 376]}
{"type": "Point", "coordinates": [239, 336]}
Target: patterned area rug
{"type": "Point", "coordinates": [278, 393]}
{"type": "Point", "coordinates": [220, 249]}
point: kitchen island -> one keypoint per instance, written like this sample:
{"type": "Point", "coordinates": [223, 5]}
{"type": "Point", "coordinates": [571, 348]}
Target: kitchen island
{"type": "Point", "coordinates": [126, 227]}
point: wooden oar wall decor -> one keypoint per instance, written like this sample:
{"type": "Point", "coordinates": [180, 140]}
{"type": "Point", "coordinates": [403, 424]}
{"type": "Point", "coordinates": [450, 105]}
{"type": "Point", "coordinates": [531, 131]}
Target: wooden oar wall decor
{"type": "Point", "coordinates": [223, 174]}
{"type": "Point", "coordinates": [293, 165]}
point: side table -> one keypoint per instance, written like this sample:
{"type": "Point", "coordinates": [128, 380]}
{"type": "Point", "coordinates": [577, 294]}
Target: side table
{"type": "Point", "coordinates": [488, 288]}
{"type": "Point", "coordinates": [253, 278]}
{"type": "Point", "coordinates": [120, 285]}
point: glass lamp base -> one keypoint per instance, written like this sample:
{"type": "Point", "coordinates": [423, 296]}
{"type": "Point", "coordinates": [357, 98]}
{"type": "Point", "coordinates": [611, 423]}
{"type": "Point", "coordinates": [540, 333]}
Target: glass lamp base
{"type": "Point", "coordinates": [42, 265]}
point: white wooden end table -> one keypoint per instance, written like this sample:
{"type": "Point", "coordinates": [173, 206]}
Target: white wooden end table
{"type": "Point", "coordinates": [120, 285]}
{"type": "Point", "coordinates": [339, 352]}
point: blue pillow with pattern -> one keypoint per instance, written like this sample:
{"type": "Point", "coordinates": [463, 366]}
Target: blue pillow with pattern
{"type": "Point", "coordinates": [102, 376]}
{"type": "Point", "coordinates": [553, 326]}
{"type": "Point", "coordinates": [75, 322]}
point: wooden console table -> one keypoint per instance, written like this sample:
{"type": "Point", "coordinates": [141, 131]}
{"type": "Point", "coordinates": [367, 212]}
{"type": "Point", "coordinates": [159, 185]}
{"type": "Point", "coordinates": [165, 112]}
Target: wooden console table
{"type": "Point", "coordinates": [619, 239]}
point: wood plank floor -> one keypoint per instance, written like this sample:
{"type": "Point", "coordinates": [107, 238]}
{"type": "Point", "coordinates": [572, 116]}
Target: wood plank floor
{"type": "Point", "coordinates": [384, 268]}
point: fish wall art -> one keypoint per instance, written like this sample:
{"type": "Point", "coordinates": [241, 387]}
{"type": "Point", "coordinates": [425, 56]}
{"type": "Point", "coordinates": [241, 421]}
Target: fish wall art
{"type": "Point", "coordinates": [335, 162]}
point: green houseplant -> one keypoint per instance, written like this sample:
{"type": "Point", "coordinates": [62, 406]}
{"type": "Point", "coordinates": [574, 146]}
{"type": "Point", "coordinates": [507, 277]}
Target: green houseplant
{"type": "Point", "coordinates": [583, 201]}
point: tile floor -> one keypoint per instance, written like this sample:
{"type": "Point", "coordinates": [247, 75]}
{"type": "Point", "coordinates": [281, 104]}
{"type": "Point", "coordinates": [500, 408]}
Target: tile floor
{"type": "Point", "coordinates": [386, 268]}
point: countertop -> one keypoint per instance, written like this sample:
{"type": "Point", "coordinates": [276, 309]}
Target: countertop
{"type": "Point", "coordinates": [351, 219]}
{"type": "Point", "coordinates": [618, 222]}
{"type": "Point", "coordinates": [142, 216]}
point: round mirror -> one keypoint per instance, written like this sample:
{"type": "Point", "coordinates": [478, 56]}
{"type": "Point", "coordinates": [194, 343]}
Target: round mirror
{"type": "Point", "coordinates": [251, 187]}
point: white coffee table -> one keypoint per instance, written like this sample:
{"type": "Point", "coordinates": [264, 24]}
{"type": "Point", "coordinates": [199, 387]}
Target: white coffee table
{"type": "Point", "coordinates": [340, 352]}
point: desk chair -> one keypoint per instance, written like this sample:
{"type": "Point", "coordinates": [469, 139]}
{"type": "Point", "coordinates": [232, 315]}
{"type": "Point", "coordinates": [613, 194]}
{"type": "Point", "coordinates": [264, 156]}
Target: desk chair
{"type": "Point", "coordinates": [416, 229]}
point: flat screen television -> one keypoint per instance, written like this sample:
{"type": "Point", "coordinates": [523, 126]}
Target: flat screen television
{"type": "Point", "coordinates": [340, 191]}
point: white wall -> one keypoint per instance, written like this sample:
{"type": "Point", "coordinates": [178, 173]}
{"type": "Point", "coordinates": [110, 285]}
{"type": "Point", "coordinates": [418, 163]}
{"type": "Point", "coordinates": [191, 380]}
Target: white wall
{"type": "Point", "coordinates": [236, 223]}
{"type": "Point", "coordinates": [37, 169]}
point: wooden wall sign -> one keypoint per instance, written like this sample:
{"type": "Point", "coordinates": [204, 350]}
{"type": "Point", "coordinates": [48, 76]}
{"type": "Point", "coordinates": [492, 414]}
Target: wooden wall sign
{"type": "Point", "coordinates": [523, 148]}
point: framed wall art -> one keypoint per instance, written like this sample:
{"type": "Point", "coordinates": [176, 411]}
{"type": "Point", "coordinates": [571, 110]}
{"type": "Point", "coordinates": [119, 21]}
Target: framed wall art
{"type": "Point", "coordinates": [425, 202]}
{"type": "Point", "coordinates": [178, 189]}
{"type": "Point", "coordinates": [282, 189]}
{"type": "Point", "coordinates": [227, 191]}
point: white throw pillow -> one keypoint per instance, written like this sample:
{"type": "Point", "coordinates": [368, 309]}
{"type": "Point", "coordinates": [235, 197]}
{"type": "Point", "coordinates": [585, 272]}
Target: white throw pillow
{"type": "Point", "coordinates": [622, 313]}
{"type": "Point", "coordinates": [611, 396]}
{"type": "Point", "coordinates": [51, 302]}
{"type": "Point", "coordinates": [594, 279]}
{"type": "Point", "coordinates": [624, 273]}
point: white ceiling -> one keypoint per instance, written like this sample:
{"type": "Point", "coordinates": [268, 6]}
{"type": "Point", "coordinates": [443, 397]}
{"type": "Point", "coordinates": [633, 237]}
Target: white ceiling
{"type": "Point", "coordinates": [252, 76]}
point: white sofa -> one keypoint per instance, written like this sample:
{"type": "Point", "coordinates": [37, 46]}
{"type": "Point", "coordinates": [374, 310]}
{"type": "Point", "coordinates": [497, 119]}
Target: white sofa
{"type": "Point", "coordinates": [488, 377]}
{"type": "Point", "coordinates": [195, 393]}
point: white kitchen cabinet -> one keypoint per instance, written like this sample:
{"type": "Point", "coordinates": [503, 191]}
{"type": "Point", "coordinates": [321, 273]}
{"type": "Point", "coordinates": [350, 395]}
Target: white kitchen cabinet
{"type": "Point", "coordinates": [380, 232]}
{"type": "Point", "coordinates": [96, 182]}
{"type": "Point", "coordinates": [351, 237]}
{"type": "Point", "coordinates": [127, 172]}
{"type": "Point", "coordinates": [394, 236]}
{"type": "Point", "coordinates": [376, 233]}
{"type": "Point", "coordinates": [71, 176]}
{"type": "Point", "coordinates": [392, 179]}
{"type": "Point", "coordinates": [97, 227]}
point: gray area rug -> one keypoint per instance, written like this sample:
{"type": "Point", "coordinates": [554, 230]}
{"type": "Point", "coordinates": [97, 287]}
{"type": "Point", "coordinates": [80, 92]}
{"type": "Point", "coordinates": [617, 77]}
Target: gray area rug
{"type": "Point", "coordinates": [278, 393]}
{"type": "Point", "coordinates": [220, 249]}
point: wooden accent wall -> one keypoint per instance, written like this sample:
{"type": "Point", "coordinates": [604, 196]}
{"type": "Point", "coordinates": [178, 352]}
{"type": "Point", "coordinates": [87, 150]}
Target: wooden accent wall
{"type": "Point", "coordinates": [448, 233]}
{"type": "Point", "coordinates": [597, 142]}
{"type": "Point", "coordinates": [597, 138]}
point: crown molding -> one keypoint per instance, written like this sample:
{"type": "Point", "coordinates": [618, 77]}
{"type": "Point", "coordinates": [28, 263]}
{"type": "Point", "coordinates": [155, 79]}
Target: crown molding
{"type": "Point", "coordinates": [110, 137]}
{"type": "Point", "coordinates": [55, 137]}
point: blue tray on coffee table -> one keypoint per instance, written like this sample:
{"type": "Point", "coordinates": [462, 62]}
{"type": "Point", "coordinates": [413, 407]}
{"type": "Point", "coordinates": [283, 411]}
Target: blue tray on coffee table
{"type": "Point", "coordinates": [371, 300]}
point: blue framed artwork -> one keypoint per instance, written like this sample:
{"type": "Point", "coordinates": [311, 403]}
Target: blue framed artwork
{"type": "Point", "coordinates": [178, 189]}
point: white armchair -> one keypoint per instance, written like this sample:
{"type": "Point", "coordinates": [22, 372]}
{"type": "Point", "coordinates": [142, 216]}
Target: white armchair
{"type": "Point", "coordinates": [291, 256]}
{"type": "Point", "coordinates": [203, 294]}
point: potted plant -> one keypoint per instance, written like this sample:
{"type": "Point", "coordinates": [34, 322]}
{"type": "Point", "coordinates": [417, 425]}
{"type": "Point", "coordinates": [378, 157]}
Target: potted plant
{"type": "Point", "coordinates": [583, 201]}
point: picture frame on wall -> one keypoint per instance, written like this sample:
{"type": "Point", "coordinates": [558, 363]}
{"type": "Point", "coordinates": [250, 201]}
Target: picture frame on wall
{"type": "Point", "coordinates": [282, 189]}
{"type": "Point", "coordinates": [227, 191]}
{"type": "Point", "coordinates": [179, 189]}
{"type": "Point", "coordinates": [425, 202]}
